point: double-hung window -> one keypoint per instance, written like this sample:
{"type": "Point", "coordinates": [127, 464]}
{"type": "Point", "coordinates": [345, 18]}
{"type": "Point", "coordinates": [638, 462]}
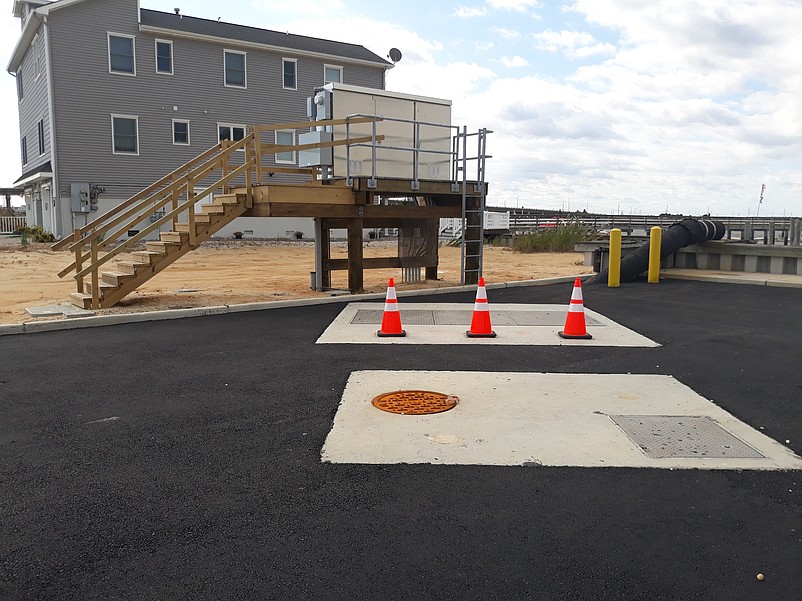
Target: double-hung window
{"type": "Point", "coordinates": [20, 91]}
{"type": "Point", "coordinates": [332, 73]}
{"type": "Point", "coordinates": [125, 134]}
{"type": "Point", "coordinates": [122, 54]}
{"type": "Point", "coordinates": [285, 137]}
{"type": "Point", "coordinates": [234, 69]}
{"type": "Point", "coordinates": [180, 132]}
{"type": "Point", "coordinates": [24, 149]}
{"type": "Point", "coordinates": [164, 57]}
{"type": "Point", "coordinates": [289, 73]}
{"type": "Point", "coordinates": [229, 131]}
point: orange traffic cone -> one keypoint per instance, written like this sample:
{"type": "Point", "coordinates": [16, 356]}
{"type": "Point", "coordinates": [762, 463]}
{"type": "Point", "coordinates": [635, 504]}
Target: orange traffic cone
{"type": "Point", "coordinates": [480, 324]}
{"type": "Point", "coordinates": [391, 320]}
{"type": "Point", "coordinates": [575, 322]}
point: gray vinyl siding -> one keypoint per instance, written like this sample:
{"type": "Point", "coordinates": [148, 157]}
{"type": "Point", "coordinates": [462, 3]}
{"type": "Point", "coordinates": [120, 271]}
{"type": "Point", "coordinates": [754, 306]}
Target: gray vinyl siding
{"type": "Point", "coordinates": [87, 95]}
{"type": "Point", "coordinates": [34, 107]}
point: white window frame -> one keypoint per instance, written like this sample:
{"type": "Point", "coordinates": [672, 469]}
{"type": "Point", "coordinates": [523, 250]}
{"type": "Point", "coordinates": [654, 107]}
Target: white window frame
{"type": "Point", "coordinates": [136, 120]}
{"type": "Point", "coordinates": [232, 126]}
{"type": "Point", "coordinates": [24, 150]}
{"type": "Point", "coordinates": [38, 54]}
{"type": "Point", "coordinates": [244, 69]}
{"type": "Point", "coordinates": [336, 68]}
{"type": "Point", "coordinates": [295, 63]}
{"type": "Point", "coordinates": [189, 134]}
{"type": "Point", "coordinates": [109, 35]}
{"type": "Point", "coordinates": [285, 161]}
{"type": "Point", "coordinates": [156, 43]}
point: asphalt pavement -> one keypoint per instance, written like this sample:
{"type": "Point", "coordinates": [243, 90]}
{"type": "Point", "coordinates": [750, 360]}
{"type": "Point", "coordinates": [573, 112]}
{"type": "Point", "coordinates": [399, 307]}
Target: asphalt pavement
{"type": "Point", "coordinates": [181, 460]}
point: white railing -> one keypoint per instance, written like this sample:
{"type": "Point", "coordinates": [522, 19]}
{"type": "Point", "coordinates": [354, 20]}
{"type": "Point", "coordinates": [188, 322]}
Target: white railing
{"type": "Point", "coordinates": [9, 225]}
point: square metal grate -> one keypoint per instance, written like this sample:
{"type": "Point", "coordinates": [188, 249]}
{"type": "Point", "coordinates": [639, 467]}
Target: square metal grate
{"type": "Point", "coordinates": [425, 317]}
{"type": "Point", "coordinates": [683, 436]}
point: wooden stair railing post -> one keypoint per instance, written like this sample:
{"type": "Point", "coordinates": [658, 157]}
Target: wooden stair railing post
{"type": "Point", "coordinates": [95, 282]}
{"type": "Point", "coordinates": [257, 136]}
{"type": "Point", "coordinates": [174, 195]}
{"type": "Point", "coordinates": [190, 187]}
{"type": "Point", "coordinates": [224, 164]}
{"type": "Point", "coordinates": [250, 152]}
{"type": "Point", "coordinates": [78, 260]}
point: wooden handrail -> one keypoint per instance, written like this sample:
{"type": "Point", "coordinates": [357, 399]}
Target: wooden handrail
{"type": "Point", "coordinates": [187, 205]}
{"type": "Point", "coordinates": [321, 123]}
{"type": "Point", "coordinates": [139, 195]}
{"type": "Point", "coordinates": [164, 195]}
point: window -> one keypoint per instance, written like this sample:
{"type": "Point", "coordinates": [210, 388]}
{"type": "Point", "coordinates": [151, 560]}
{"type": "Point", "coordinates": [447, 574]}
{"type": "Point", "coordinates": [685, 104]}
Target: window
{"type": "Point", "coordinates": [41, 129]}
{"type": "Point", "coordinates": [24, 148]}
{"type": "Point", "coordinates": [227, 131]}
{"type": "Point", "coordinates": [20, 91]}
{"type": "Point", "coordinates": [40, 59]}
{"type": "Point", "coordinates": [164, 57]}
{"type": "Point", "coordinates": [234, 69]}
{"type": "Point", "coordinates": [122, 58]}
{"type": "Point", "coordinates": [180, 132]}
{"type": "Point", "coordinates": [289, 68]}
{"type": "Point", "coordinates": [125, 134]}
{"type": "Point", "coordinates": [332, 73]}
{"type": "Point", "coordinates": [285, 137]}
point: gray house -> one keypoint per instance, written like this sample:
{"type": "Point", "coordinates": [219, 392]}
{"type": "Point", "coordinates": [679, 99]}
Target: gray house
{"type": "Point", "coordinates": [112, 97]}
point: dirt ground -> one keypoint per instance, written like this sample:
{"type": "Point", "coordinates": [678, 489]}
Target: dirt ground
{"type": "Point", "coordinates": [245, 271]}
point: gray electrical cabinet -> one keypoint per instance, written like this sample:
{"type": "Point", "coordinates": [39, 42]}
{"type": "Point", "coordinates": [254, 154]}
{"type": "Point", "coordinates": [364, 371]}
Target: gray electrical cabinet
{"type": "Point", "coordinates": [80, 201]}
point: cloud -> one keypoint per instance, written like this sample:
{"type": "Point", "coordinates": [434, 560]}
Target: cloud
{"type": "Point", "coordinates": [291, 6]}
{"type": "Point", "coordinates": [515, 5]}
{"type": "Point", "coordinates": [467, 12]}
{"type": "Point", "coordinates": [574, 44]}
{"type": "Point", "coordinates": [483, 46]}
{"type": "Point", "coordinates": [507, 34]}
{"type": "Point", "coordinates": [513, 61]}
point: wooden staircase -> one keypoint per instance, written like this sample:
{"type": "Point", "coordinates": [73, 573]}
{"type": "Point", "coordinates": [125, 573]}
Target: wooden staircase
{"type": "Point", "coordinates": [128, 275]}
{"type": "Point", "coordinates": [227, 171]}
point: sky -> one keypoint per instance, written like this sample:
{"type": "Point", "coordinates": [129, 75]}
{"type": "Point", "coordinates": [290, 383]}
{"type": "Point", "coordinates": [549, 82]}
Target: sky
{"type": "Point", "coordinates": [614, 106]}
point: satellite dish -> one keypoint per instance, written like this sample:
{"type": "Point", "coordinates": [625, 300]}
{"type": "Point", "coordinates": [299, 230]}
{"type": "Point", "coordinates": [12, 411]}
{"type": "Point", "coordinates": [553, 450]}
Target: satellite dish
{"type": "Point", "coordinates": [394, 55]}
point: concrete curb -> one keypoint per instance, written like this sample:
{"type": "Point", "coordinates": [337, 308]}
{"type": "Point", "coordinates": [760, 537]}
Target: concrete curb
{"type": "Point", "coordinates": [74, 323]}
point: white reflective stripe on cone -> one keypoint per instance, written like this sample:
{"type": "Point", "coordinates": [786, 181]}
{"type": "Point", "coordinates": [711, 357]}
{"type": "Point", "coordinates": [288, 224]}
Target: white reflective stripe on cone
{"type": "Point", "coordinates": [576, 294]}
{"type": "Point", "coordinates": [477, 306]}
{"type": "Point", "coordinates": [390, 293]}
{"type": "Point", "coordinates": [481, 293]}
{"type": "Point", "coordinates": [392, 307]}
{"type": "Point", "coordinates": [576, 309]}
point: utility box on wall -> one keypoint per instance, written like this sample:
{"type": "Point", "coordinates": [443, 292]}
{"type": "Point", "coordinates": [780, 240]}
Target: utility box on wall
{"type": "Point", "coordinates": [410, 122]}
{"type": "Point", "coordinates": [80, 201]}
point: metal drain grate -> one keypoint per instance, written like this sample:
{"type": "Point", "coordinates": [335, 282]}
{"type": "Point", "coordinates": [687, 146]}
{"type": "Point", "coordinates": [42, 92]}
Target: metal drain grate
{"type": "Point", "coordinates": [424, 317]}
{"type": "Point", "coordinates": [415, 402]}
{"type": "Point", "coordinates": [683, 436]}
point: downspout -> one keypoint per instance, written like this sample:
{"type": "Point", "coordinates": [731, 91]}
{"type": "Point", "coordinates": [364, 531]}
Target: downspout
{"type": "Point", "coordinates": [51, 106]}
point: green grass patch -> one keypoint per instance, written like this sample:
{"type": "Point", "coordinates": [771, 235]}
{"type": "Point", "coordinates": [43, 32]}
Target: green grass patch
{"type": "Point", "coordinates": [558, 239]}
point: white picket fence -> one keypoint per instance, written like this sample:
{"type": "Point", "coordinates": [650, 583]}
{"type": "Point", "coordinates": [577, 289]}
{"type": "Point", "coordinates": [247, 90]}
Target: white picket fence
{"type": "Point", "coordinates": [9, 225]}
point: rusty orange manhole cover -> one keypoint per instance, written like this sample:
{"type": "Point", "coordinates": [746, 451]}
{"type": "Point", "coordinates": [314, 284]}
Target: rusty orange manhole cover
{"type": "Point", "coordinates": [415, 402]}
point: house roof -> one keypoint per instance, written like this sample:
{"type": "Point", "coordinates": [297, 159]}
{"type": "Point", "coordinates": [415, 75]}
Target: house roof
{"type": "Point", "coordinates": [205, 28]}
{"type": "Point", "coordinates": [253, 35]}
{"type": "Point", "coordinates": [43, 171]}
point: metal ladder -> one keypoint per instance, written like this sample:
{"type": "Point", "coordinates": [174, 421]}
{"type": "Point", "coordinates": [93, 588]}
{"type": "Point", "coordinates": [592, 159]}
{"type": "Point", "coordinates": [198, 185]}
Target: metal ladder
{"type": "Point", "coordinates": [478, 213]}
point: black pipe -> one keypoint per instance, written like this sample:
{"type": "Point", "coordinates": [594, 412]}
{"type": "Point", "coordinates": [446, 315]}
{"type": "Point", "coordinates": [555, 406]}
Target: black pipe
{"type": "Point", "coordinates": [679, 234]}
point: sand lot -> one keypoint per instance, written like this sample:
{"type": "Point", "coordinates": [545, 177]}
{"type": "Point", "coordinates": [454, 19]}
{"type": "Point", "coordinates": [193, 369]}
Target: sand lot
{"type": "Point", "coordinates": [244, 271]}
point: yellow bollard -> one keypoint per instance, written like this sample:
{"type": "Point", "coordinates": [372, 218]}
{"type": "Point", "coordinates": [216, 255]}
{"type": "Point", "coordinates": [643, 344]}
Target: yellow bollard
{"type": "Point", "coordinates": [656, 237]}
{"type": "Point", "coordinates": [614, 268]}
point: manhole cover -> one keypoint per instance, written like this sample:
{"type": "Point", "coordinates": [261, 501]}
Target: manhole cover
{"type": "Point", "coordinates": [415, 402]}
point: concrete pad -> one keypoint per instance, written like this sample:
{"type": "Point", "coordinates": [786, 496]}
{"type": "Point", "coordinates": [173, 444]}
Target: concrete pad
{"type": "Point", "coordinates": [531, 419]}
{"type": "Point", "coordinates": [605, 332]}
{"type": "Point", "coordinates": [56, 310]}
